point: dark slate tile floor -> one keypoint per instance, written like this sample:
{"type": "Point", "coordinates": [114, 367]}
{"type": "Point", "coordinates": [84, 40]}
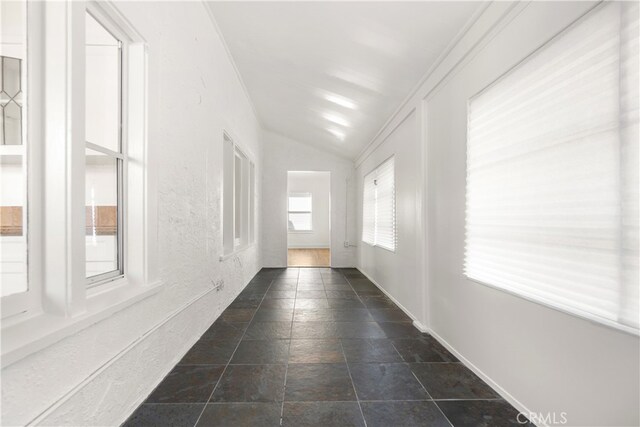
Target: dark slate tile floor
{"type": "Point", "coordinates": [319, 347]}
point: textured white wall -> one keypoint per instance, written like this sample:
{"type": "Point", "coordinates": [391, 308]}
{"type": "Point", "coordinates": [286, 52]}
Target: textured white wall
{"type": "Point", "coordinates": [540, 359]}
{"type": "Point", "coordinates": [319, 185]}
{"type": "Point", "coordinates": [100, 374]}
{"type": "Point", "coordinates": [282, 154]}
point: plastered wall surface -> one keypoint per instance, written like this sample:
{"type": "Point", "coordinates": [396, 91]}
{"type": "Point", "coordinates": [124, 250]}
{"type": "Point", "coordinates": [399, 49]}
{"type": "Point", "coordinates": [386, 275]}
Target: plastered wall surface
{"type": "Point", "coordinates": [542, 360]}
{"type": "Point", "coordinates": [282, 154]}
{"type": "Point", "coordinates": [99, 375]}
{"type": "Point", "coordinates": [318, 184]}
{"type": "Point", "coordinates": [399, 272]}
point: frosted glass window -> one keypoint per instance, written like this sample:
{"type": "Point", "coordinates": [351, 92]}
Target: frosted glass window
{"type": "Point", "coordinates": [552, 173]}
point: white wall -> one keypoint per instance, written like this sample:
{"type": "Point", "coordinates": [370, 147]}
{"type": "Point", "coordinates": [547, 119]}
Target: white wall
{"type": "Point", "coordinates": [399, 272]}
{"type": "Point", "coordinates": [319, 185]}
{"type": "Point", "coordinates": [539, 358]}
{"type": "Point", "coordinates": [282, 154]}
{"type": "Point", "coordinates": [98, 375]}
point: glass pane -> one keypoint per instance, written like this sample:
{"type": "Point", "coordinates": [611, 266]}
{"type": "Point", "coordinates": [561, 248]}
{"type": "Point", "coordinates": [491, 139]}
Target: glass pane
{"type": "Point", "coordinates": [299, 222]}
{"type": "Point", "coordinates": [101, 196]}
{"type": "Point", "coordinates": [13, 170]}
{"type": "Point", "coordinates": [102, 115]}
{"type": "Point", "coordinates": [237, 198]}
{"type": "Point", "coordinates": [300, 203]}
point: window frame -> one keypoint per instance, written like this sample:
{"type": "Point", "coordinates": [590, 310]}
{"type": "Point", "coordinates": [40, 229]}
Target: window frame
{"type": "Point", "coordinates": [374, 172]}
{"type": "Point", "coordinates": [231, 150]}
{"type": "Point", "coordinates": [572, 310]}
{"type": "Point", "coordinates": [310, 212]}
{"type": "Point", "coordinates": [120, 157]}
{"type": "Point", "coordinates": [58, 302]}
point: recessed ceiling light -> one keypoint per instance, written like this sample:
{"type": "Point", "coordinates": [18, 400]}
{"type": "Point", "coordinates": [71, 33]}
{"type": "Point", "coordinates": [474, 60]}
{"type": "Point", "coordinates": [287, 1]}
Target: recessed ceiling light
{"type": "Point", "coordinates": [340, 100]}
{"type": "Point", "coordinates": [339, 120]}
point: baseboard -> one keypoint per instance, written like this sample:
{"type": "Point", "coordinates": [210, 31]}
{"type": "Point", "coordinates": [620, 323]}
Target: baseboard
{"type": "Point", "coordinates": [486, 378]}
{"type": "Point", "coordinates": [309, 247]}
{"type": "Point", "coordinates": [424, 329]}
{"type": "Point", "coordinates": [417, 323]}
{"type": "Point", "coordinates": [111, 362]}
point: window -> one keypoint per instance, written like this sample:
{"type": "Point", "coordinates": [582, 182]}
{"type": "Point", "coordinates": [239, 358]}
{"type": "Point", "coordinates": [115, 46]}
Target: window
{"type": "Point", "coordinates": [14, 142]}
{"type": "Point", "coordinates": [62, 218]}
{"type": "Point", "coordinates": [379, 207]}
{"type": "Point", "coordinates": [105, 155]}
{"type": "Point", "coordinates": [552, 173]}
{"type": "Point", "coordinates": [300, 212]}
{"type": "Point", "coordinates": [239, 197]}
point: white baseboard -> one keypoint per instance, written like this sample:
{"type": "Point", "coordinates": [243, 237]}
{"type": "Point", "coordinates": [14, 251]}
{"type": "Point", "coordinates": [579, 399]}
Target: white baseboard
{"type": "Point", "coordinates": [486, 378]}
{"type": "Point", "coordinates": [417, 323]}
{"type": "Point", "coordinates": [424, 329]}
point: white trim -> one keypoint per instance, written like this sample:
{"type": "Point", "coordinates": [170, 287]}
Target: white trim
{"type": "Point", "coordinates": [38, 332]}
{"type": "Point", "coordinates": [143, 336]}
{"type": "Point", "coordinates": [425, 329]}
{"type": "Point", "coordinates": [236, 251]}
{"type": "Point", "coordinates": [416, 321]}
{"type": "Point", "coordinates": [483, 376]}
{"type": "Point", "coordinates": [443, 65]}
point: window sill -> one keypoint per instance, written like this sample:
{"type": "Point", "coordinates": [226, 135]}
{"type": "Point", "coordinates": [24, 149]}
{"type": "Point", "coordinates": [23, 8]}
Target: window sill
{"type": "Point", "coordinates": [236, 251]}
{"type": "Point", "coordinates": [41, 330]}
{"type": "Point", "coordinates": [301, 231]}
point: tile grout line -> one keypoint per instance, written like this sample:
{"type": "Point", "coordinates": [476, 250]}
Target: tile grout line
{"type": "Point", "coordinates": [286, 369]}
{"type": "Point", "coordinates": [431, 397]}
{"type": "Point", "coordinates": [353, 384]}
{"type": "Point", "coordinates": [234, 352]}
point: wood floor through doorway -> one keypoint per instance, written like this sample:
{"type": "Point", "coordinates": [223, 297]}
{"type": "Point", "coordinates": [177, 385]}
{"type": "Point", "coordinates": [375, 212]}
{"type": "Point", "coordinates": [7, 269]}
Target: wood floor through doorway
{"type": "Point", "coordinates": [310, 257]}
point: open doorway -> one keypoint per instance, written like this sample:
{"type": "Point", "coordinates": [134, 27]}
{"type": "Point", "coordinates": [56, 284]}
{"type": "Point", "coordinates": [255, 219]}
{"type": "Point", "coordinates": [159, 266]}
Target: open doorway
{"type": "Point", "coordinates": [309, 219]}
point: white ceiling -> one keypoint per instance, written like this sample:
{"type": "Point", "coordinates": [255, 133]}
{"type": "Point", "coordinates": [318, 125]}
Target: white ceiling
{"type": "Point", "coordinates": [330, 74]}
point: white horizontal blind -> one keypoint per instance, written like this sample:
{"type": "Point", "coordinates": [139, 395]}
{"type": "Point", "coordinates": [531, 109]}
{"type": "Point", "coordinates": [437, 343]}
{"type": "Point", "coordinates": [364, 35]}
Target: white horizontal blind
{"type": "Point", "coordinates": [379, 207]}
{"type": "Point", "coordinates": [552, 173]}
{"type": "Point", "coordinates": [369, 209]}
{"type": "Point", "coordinates": [300, 212]}
{"type": "Point", "coordinates": [385, 206]}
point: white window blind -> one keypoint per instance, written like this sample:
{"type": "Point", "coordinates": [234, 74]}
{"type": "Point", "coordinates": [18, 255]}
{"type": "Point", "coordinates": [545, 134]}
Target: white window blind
{"type": "Point", "coordinates": [379, 207]}
{"type": "Point", "coordinates": [369, 209]}
{"type": "Point", "coordinates": [300, 212]}
{"type": "Point", "coordinates": [552, 173]}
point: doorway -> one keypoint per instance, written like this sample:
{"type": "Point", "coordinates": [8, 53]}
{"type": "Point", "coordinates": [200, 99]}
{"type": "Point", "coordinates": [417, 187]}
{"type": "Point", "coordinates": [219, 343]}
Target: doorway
{"type": "Point", "coordinates": [309, 219]}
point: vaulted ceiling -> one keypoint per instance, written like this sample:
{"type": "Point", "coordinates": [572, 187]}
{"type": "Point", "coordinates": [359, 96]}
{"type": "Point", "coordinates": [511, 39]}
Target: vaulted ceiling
{"type": "Point", "coordinates": [330, 74]}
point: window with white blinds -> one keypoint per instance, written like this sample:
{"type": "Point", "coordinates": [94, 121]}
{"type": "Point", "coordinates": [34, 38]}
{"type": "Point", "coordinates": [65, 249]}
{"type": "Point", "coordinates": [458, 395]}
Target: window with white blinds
{"type": "Point", "coordinates": [552, 173]}
{"type": "Point", "coordinates": [379, 207]}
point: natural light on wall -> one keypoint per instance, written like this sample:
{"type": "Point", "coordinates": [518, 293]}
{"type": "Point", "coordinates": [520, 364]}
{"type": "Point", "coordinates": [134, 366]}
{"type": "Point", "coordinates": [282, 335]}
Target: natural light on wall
{"type": "Point", "coordinates": [552, 178]}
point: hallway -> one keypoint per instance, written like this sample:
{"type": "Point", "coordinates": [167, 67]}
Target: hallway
{"type": "Point", "coordinates": [319, 347]}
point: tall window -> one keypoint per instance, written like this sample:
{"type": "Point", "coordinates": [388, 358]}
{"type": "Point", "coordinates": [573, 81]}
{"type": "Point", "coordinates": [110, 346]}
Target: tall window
{"type": "Point", "coordinates": [105, 154]}
{"type": "Point", "coordinates": [379, 207]}
{"type": "Point", "coordinates": [13, 148]}
{"type": "Point", "coordinates": [300, 212]}
{"type": "Point", "coordinates": [552, 173]}
{"type": "Point", "coordinates": [239, 197]}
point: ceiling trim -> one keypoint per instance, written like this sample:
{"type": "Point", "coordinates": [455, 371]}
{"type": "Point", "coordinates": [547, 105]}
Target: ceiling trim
{"type": "Point", "coordinates": [233, 62]}
{"type": "Point", "coordinates": [363, 154]}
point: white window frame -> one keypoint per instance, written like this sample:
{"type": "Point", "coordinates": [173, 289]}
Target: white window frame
{"type": "Point", "coordinates": [310, 212]}
{"type": "Point", "coordinates": [121, 156]}
{"type": "Point", "coordinates": [230, 243]}
{"type": "Point", "coordinates": [375, 243]}
{"type": "Point", "coordinates": [58, 302]}
{"type": "Point", "coordinates": [571, 309]}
